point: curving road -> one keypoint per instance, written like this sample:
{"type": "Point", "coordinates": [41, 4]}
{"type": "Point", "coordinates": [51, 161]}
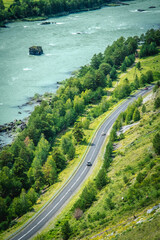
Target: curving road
{"type": "Point", "coordinates": [50, 211]}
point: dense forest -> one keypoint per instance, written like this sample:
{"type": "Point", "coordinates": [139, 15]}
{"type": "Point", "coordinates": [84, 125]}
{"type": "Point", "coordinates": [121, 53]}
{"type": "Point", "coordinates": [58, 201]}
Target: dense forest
{"type": "Point", "coordinates": [33, 161]}
{"type": "Point", "coordinates": [32, 8]}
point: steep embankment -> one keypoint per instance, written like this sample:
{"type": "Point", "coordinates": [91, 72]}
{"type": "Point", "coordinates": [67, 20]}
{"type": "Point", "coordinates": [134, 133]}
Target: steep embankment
{"type": "Point", "coordinates": [129, 199]}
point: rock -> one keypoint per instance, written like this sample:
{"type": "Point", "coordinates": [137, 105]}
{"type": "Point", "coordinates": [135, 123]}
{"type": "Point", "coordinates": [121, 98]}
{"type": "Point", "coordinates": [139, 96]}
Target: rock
{"type": "Point", "coordinates": [39, 101]}
{"type": "Point", "coordinates": [3, 26]}
{"type": "Point", "coordinates": [140, 10]}
{"type": "Point", "coordinates": [47, 23]}
{"type": "Point", "coordinates": [23, 126]}
{"type": "Point", "coordinates": [154, 208]}
{"type": "Point", "coordinates": [35, 50]}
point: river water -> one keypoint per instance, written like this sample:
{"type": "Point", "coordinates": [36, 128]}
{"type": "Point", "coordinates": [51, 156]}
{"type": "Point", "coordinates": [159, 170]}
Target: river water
{"type": "Point", "coordinates": [67, 45]}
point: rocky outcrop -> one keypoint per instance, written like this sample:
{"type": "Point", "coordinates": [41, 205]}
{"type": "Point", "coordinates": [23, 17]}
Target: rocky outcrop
{"type": "Point", "coordinates": [12, 126]}
{"type": "Point", "coordinates": [35, 50]}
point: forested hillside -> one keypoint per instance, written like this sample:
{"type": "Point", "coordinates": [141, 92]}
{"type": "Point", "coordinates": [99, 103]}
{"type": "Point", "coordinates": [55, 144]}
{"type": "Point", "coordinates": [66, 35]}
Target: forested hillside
{"type": "Point", "coordinates": [26, 8]}
{"type": "Point", "coordinates": [33, 161]}
{"type": "Point", "coordinates": [122, 200]}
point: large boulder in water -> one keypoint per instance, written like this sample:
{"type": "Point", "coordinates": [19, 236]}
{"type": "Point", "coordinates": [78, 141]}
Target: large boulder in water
{"type": "Point", "coordinates": [35, 50]}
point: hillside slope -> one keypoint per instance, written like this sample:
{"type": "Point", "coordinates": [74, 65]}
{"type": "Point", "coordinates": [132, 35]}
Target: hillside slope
{"type": "Point", "coordinates": [134, 186]}
{"type": "Point", "coordinates": [128, 206]}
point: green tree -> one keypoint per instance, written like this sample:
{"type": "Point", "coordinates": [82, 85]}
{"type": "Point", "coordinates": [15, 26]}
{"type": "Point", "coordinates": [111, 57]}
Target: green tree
{"type": "Point", "coordinates": [105, 68]}
{"type": "Point", "coordinates": [89, 80]}
{"type": "Point", "coordinates": [96, 60]}
{"type": "Point", "coordinates": [66, 230]}
{"type": "Point", "coordinates": [136, 82]}
{"type": "Point", "coordinates": [32, 196]}
{"type": "Point", "coordinates": [136, 115]}
{"type": "Point", "coordinates": [49, 170]}
{"type": "Point", "coordinates": [100, 79]}
{"type": "Point", "coordinates": [78, 104]}
{"type": "Point", "coordinates": [142, 80]}
{"type": "Point", "coordinates": [149, 76]}
{"type": "Point", "coordinates": [19, 170]}
{"type": "Point", "coordinates": [139, 101]}
{"type": "Point", "coordinates": [113, 134]}
{"type": "Point", "coordinates": [6, 158]}
{"type": "Point", "coordinates": [101, 179]}
{"type": "Point", "coordinates": [59, 159]}
{"type": "Point", "coordinates": [85, 123]}
{"type": "Point", "coordinates": [128, 61]}
{"type": "Point", "coordinates": [109, 81]}
{"type": "Point", "coordinates": [156, 143]}
{"type": "Point", "coordinates": [41, 152]}
{"type": "Point", "coordinates": [71, 152]}
{"type": "Point", "coordinates": [87, 197]}
{"type": "Point", "coordinates": [66, 142]}
{"type": "Point", "coordinates": [138, 65]}
{"type": "Point", "coordinates": [123, 67]}
{"type": "Point", "coordinates": [3, 209]}
{"type": "Point", "coordinates": [157, 102]}
{"type": "Point", "coordinates": [143, 108]}
{"type": "Point", "coordinates": [2, 7]}
{"type": "Point", "coordinates": [78, 132]}
{"type": "Point", "coordinates": [113, 73]}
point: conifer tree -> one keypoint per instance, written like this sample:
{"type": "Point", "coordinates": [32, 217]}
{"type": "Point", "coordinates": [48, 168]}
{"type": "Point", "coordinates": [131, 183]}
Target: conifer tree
{"type": "Point", "coordinates": [136, 115]}
{"type": "Point", "coordinates": [66, 230]}
{"type": "Point", "coordinates": [143, 108]}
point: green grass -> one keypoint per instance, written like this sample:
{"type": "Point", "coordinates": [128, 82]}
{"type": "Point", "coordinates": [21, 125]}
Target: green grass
{"type": "Point", "coordinates": [150, 63]}
{"type": "Point", "coordinates": [148, 230]}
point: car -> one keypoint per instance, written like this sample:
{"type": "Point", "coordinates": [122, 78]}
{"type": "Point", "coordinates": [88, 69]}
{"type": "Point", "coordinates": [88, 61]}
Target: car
{"type": "Point", "coordinates": [89, 164]}
{"type": "Point", "coordinates": [103, 133]}
{"type": "Point", "coordinates": [146, 88]}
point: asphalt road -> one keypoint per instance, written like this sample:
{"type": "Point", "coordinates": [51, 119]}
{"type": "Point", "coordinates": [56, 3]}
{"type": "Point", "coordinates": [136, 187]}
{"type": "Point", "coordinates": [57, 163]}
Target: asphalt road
{"type": "Point", "coordinates": [33, 227]}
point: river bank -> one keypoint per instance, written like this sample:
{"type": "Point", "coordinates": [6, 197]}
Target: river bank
{"type": "Point", "coordinates": [9, 131]}
{"type": "Point", "coordinates": [61, 14]}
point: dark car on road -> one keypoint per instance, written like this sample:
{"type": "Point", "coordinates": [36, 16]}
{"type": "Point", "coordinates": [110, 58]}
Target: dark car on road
{"type": "Point", "coordinates": [89, 164]}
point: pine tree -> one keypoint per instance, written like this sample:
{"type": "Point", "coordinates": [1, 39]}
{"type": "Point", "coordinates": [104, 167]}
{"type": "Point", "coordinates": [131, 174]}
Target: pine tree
{"type": "Point", "coordinates": [2, 7]}
{"type": "Point", "coordinates": [143, 108]}
{"type": "Point", "coordinates": [101, 179]}
{"type": "Point", "coordinates": [157, 102]}
{"type": "Point", "coordinates": [136, 82]}
{"type": "Point", "coordinates": [136, 115]}
{"type": "Point", "coordinates": [66, 230]}
{"type": "Point", "coordinates": [123, 67]}
{"type": "Point", "coordinates": [138, 65]}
